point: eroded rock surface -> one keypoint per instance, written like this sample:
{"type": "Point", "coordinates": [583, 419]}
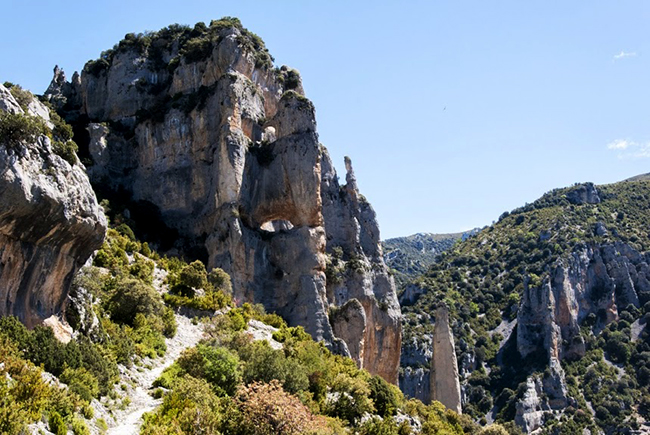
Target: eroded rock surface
{"type": "Point", "coordinates": [225, 148]}
{"type": "Point", "coordinates": [596, 281]}
{"type": "Point", "coordinates": [50, 223]}
{"type": "Point", "coordinates": [445, 385]}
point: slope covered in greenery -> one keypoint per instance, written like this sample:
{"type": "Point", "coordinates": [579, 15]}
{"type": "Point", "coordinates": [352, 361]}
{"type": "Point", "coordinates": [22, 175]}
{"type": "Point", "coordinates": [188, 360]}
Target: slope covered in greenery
{"type": "Point", "coordinates": [482, 281]}
{"type": "Point", "coordinates": [122, 308]}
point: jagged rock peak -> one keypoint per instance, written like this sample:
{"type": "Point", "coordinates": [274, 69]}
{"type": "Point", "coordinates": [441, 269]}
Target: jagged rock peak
{"type": "Point", "coordinates": [61, 93]}
{"type": "Point", "coordinates": [197, 123]}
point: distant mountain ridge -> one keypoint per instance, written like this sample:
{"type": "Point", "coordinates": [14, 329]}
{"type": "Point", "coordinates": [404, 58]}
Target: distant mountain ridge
{"type": "Point", "coordinates": [412, 255]}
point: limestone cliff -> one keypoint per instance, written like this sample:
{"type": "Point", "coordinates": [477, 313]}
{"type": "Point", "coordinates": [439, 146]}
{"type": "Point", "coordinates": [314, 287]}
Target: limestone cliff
{"type": "Point", "coordinates": [596, 281]}
{"type": "Point", "coordinates": [445, 386]}
{"type": "Point", "coordinates": [198, 124]}
{"type": "Point", "coordinates": [50, 222]}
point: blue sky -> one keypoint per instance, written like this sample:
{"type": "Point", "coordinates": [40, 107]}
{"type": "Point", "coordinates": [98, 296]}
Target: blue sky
{"type": "Point", "coordinates": [452, 112]}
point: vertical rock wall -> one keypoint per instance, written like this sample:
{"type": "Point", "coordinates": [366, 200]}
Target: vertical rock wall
{"type": "Point", "coordinates": [226, 149]}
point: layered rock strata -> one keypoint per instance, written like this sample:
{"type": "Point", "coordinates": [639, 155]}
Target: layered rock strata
{"type": "Point", "coordinates": [50, 223]}
{"type": "Point", "coordinates": [225, 147]}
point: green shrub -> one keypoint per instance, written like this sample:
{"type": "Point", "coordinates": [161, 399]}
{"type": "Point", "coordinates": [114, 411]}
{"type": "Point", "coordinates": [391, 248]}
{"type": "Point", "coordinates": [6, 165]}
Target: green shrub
{"type": "Point", "coordinates": [197, 49]}
{"type": "Point", "coordinates": [79, 427]}
{"type": "Point", "coordinates": [148, 337]}
{"type": "Point", "coordinates": [194, 275]}
{"type": "Point", "coordinates": [23, 97]}
{"type": "Point", "coordinates": [264, 364]}
{"type": "Point", "coordinates": [169, 376]}
{"type": "Point", "coordinates": [493, 429]}
{"type": "Point", "coordinates": [81, 382]}
{"type": "Point", "coordinates": [44, 349]}
{"type": "Point", "coordinates": [142, 269]}
{"type": "Point", "coordinates": [220, 280]}
{"type": "Point", "coordinates": [56, 424]}
{"type": "Point", "coordinates": [217, 365]}
{"type": "Point", "coordinates": [384, 396]}
{"type": "Point", "coordinates": [17, 129]}
{"type": "Point", "coordinates": [191, 409]}
{"type": "Point", "coordinates": [126, 231]}
{"type": "Point", "coordinates": [66, 150]}
{"type": "Point", "coordinates": [132, 297]}
{"type": "Point", "coordinates": [352, 398]}
{"type": "Point", "coordinates": [23, 392]}
{"type": "Point", "coordinates": [378, 426]}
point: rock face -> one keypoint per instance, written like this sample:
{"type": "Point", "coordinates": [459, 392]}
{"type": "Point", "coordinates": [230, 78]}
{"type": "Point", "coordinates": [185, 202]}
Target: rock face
{"type": "Point", "coordinates": [583, 194]}
{"type": "Point", "coordinates": [416, 383]}
{"type": "Point", "coordinates": [225, 147]}
{"type": "Point", "coordinates": [50, 223]}
{"type": "Point", "coordinates": [594, 280]}
{"type": "Point", "coordinates": [445, 386]}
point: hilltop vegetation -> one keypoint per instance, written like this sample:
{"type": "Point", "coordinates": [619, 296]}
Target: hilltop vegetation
{"type": "Point", "coordinates": [483, 279]}
{"type": "Point", "coordinates": [411, 256]}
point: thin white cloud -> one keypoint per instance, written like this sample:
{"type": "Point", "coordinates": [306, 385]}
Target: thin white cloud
{"type": "Point", "coordinates": [629, 149]}
{"type": "Point", "coordinates": [618, 144]}
{"type": "Point", "coordinates": [624, 54]}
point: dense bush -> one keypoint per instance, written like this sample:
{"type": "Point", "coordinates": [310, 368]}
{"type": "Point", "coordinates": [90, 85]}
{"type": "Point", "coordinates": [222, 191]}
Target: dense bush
{"type": "Point", "coordinates": [16, 129]}
{"type": "Point", "coordinates": [191, 408]}
{"type": "Point", "coordinates": [22, 96]}
{"type": "Point", "coordinates": [132, 297]}
{"type": "Point", "coordinates": [81, 382]}
{"type": "Point", "coordinates": [266, 409]}
{"type": "Point", "coordinates": [186, 280]}
{"type": "Point", "coordinates": [217, 365]}
{"type": "Point", "coordinates": [384, 395]}
{"type": "Point", "coordinates": [56, 424]}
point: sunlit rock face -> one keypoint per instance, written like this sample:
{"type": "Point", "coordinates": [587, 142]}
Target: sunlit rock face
{"type": "Point", "coordinates": [225, 147]}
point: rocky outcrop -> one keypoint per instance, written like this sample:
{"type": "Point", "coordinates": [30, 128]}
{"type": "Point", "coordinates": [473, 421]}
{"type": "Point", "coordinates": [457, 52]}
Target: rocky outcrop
{"type": "Point", "coordinates": [349, 323]}
{"type": "Point", "coordinates": [445, 385]}
{"type": "Point", "coordinates": [415, 360]}
{"type": "Point", "coordinates": [63, 94]}
{"type": "Point", "coordinates": [416, 383]}
{"type": "Point", "coordinates": [594, 281]}
{"type": "Point", "coordinates": [50, 223]}
{"type": "Point", "coordinates": [225, 148]}
{"type": "Point", "coordinates": [583, 194]}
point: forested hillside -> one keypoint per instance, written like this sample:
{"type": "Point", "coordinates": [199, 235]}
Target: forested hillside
{"type": "Point", "coordinates": [549, 309]}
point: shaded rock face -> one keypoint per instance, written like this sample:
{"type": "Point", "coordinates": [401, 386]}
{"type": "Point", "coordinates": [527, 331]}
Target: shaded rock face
{"type": "Point", "coordinates": [414, 380]}
{"type": "Point", "coordinates": [231, 159]}
{"type": "Point", "coordinates": [349, 323]}
{"type": "Point", "coordinates": [416, 383]}
{"type": "Point", "coordinates": [583, 194]}
{"type": "Point", "coordinates": [50, 223]}
{"type": "Point", "coordinates": [445, 385]}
